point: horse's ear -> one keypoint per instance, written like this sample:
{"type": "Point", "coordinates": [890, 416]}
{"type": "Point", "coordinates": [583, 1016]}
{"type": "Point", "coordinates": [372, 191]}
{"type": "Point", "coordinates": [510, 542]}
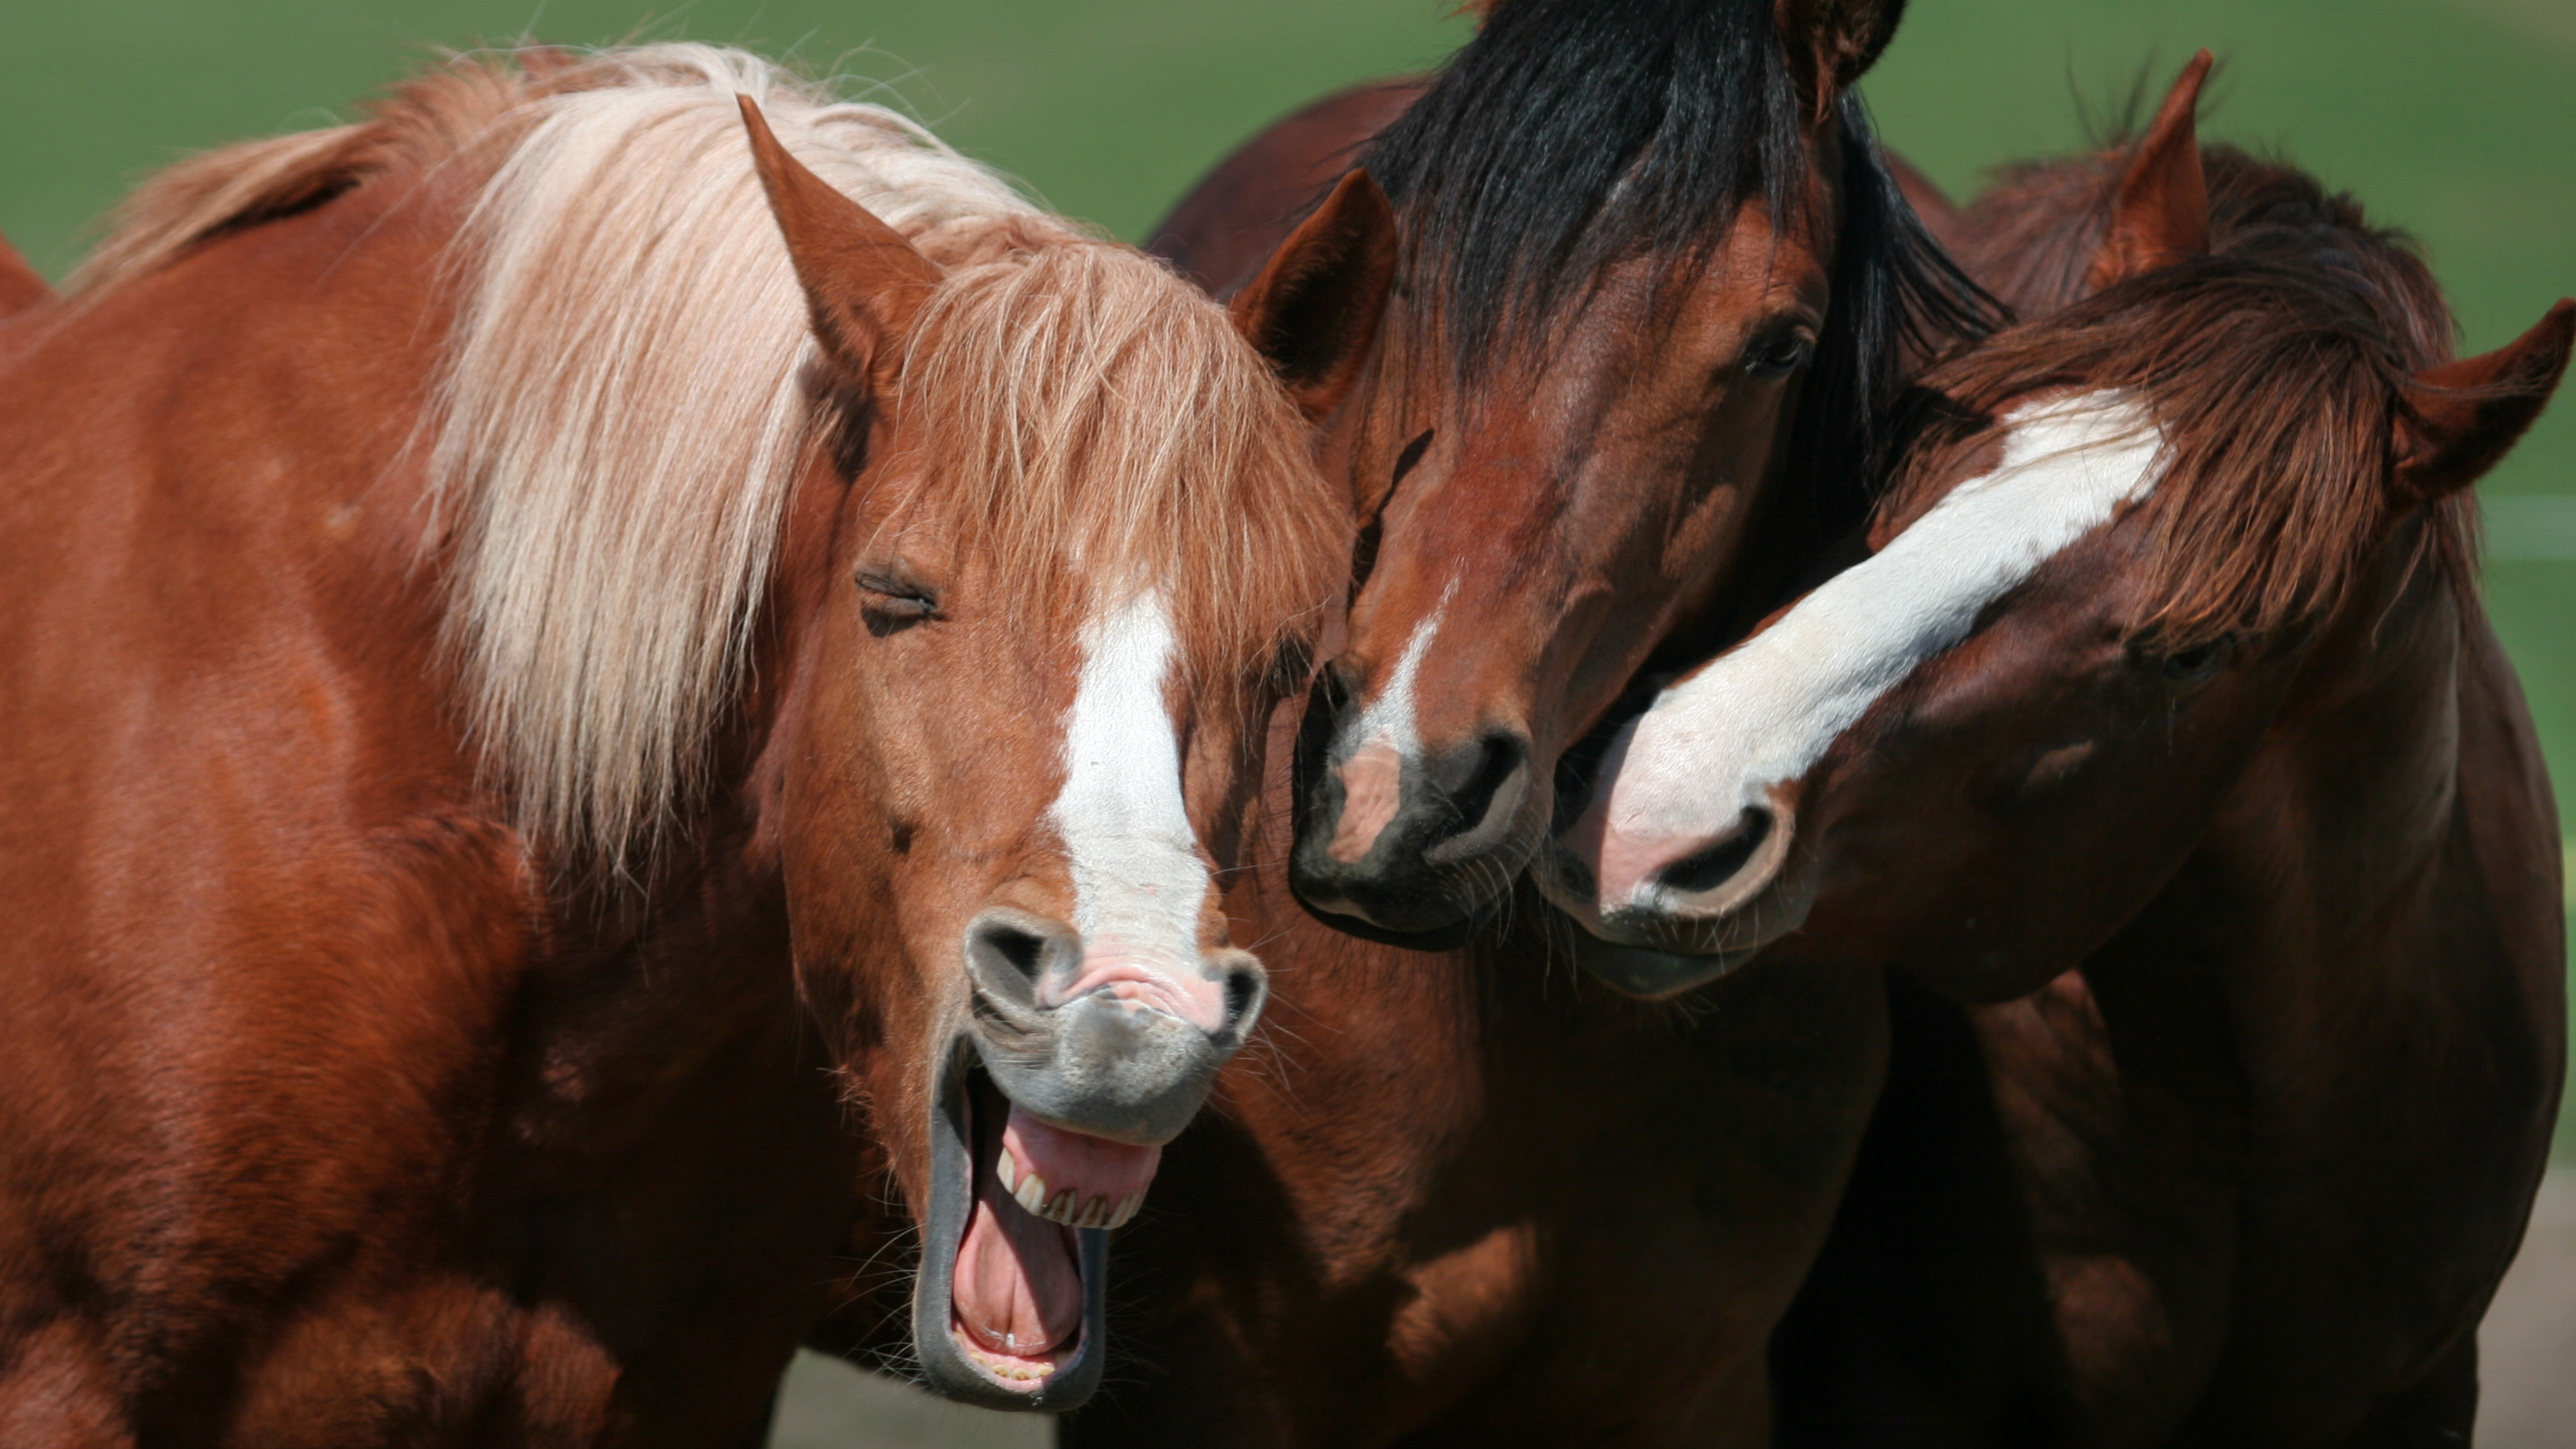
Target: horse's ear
{"type": "Point", "coordinates": [2462, 417]}
{"type": "Point", "coordinates": [863, 282]}
{"type": "Point", "coordinates": [1313, 310]}
{"type": "Point", "coordinates": [1832, 43]}
{"type": "Point", "coordinates": [21, 287]}
{"type": "Point", "coordinates": [2162, 213]}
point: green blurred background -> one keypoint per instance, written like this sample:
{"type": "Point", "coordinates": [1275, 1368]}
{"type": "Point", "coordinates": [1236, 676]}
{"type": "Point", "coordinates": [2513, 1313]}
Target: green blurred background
{"type": "Point", "coordinates": [2454, 119]}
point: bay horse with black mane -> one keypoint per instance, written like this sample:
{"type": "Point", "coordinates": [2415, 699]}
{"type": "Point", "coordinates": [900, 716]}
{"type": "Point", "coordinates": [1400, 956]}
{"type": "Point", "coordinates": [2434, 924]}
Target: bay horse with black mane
{"type": "Point", "coordinates": [491, 627]}
{"type": "Point", "coordinates": [1651, 274]}
{"type": "Point", "coordinates": [2162, 731]}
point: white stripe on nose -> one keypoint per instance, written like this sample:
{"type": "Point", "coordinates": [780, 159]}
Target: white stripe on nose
{"type": "Point", "coordinates": [1373, 751]}
{"type": "Point", "coordinates": [1138, 879]}
{"type": "Point", "coordinates": [1715, 743]}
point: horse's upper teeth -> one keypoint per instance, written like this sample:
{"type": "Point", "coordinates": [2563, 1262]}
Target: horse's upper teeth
{"type": "Point", "coordinates": [1029, 1190]}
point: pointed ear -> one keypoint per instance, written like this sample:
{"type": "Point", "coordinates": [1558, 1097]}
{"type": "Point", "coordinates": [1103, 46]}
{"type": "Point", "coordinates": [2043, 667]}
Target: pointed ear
{"type": "Point", "coordinates": [2462, 417]}
{"type": "Point", "coordinates": [2161, 215]}
{"type": "Point", "coordinates": [1313, 310]}
{"type": "Point", "coordinates": [1832, 43]}
{"type": "Point", "coordinates": [21, 286]}
{"type": "Point", "coordinates": [863, 282]}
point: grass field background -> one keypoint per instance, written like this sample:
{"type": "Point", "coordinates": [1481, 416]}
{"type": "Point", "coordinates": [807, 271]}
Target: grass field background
{"type": "Point", "coordinates": [2453, 118]}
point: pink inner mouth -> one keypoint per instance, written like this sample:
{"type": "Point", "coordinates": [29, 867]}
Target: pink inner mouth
{"type": "Point", "coordinates": [1016, 1294]}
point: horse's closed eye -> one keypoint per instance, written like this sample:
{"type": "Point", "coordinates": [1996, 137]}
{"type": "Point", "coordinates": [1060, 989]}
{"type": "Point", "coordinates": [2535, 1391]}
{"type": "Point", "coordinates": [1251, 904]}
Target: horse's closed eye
{"type": "Point", "coordinates": [2197, 664]}
{"type": "Point", "coordinates": [893, 597]}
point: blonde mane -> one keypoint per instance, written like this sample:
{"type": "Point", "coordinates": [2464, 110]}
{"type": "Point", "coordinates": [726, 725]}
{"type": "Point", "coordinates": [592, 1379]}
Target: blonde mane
{"type": "Point", "coordinates": [624, 405]}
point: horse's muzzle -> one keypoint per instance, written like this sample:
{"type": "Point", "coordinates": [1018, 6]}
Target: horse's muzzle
{"type": "Point", "coordinates": [1103, 1063]}
{"type": "Point", "coordinates": [1404, 847]}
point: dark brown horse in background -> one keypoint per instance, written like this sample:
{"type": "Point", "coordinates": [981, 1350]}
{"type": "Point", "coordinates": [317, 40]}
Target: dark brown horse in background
{"type": "Point", "coordinates": [1466, 1196]}
{"type": "Point", "coordinates": [2161, 729]}
{"type": "Point", "coordinates": [490, 627]}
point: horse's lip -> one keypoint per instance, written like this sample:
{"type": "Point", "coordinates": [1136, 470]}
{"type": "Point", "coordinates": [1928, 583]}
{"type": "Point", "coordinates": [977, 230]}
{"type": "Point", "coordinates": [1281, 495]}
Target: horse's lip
{"type": "Point", "coordinates": [1344, 916]}
{"type": "Point", "coordinates": [1652, 973]}
{"type": "Point", "coordinates": [1724, 941]}
{"type": "Point", "coordinates": [978, 1377]}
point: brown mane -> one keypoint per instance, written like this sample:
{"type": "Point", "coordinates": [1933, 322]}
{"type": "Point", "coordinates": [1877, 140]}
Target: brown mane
{"type": "Point", "coordinates": [2275, 366]}
{"type": "Point", "coordinates": [624, 402]}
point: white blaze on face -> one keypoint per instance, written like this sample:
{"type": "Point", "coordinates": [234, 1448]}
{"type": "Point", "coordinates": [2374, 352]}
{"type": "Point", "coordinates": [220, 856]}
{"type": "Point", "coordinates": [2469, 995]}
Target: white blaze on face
{"type": "Point", "coordinates": [1763, 714]}
{"type": "Point", "coordinates": [1378, 744]}
{"type": "Point", "coordinates": [1389, 718]}
{"type": "Point", "coordinates": [1138, 879]}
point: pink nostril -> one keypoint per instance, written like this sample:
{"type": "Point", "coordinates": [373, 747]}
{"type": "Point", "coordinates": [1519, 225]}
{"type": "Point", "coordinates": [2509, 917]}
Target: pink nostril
{"type": "Point", "coordinates": [1628, 861]}
{"type": "Point", "coordinates": [1634, 863]}
{"type": "Point", "coordinates": [1721, 859]}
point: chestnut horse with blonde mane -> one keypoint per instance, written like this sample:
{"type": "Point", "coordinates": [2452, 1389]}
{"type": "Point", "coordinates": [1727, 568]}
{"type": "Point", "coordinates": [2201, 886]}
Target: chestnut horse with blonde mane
{"type": "Point", "coordinates": [491, 627]}
{"type": "Point", "coordinates": [2162, 731]}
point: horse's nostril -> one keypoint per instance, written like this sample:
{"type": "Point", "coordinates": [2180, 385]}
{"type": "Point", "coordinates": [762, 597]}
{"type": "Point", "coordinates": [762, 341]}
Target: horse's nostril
{"type": "Point", "coordinates": [1015, 946]}
{"type": "Point", "coordinates": [1008, 943]}
{"type": "Point", "coordinates": [1721, 862]}
{"type": "Point", "coordinates": [1242, 988]}
{"type": "Point", "coordinates": [1503, 755]}
{"type": "Point", "coordinates": [1495, 772]}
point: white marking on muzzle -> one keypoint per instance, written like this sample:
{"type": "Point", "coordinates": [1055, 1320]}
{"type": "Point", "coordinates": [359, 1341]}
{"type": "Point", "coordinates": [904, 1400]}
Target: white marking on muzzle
{"type": "Point", "coordinates": [1139, 882]}
{"type": "Point", "coordinates": [1762, 715]}
{"type": "Point", "coordinates": [1370, 756]}
{"type": "Point", "coordinates": [1389, 718]}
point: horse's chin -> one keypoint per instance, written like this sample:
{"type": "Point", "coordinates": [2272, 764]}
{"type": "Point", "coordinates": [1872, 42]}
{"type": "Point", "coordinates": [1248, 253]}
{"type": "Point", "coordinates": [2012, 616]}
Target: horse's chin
{"type": "Point", "coordinates": [1654, 956]}
{"type": "Point", "coordinates": [1649, 973]}
{"type": "Point", "coordinates": [988, 1259]}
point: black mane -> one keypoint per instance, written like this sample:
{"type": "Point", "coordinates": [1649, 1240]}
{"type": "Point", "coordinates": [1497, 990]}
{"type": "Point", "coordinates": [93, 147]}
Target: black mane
{"type": "Point", "coordinates": [1572, 133]}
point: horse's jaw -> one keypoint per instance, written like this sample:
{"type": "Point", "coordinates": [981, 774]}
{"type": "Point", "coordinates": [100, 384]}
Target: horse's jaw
{"type": "Point", "coordinates": [1011, 1258]}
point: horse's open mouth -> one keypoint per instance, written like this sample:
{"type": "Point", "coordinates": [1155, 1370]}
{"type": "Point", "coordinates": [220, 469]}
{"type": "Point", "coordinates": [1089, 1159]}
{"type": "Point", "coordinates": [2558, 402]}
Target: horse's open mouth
{"type": "Point", "coordinates": [1007, 1312]}
{"type": "Point", "coordinates": [1016, 1296]}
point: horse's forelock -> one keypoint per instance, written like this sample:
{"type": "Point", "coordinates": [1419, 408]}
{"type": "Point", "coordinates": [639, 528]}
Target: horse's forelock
{"type": "Point", "coordinates": [2272, 365]}
{"type": "Point", "coordinates": [1091, 423]}
{"type": "Point", "coordinates": [2274, 386]}
{"type": "Point", "coordinates": [1568, 134]}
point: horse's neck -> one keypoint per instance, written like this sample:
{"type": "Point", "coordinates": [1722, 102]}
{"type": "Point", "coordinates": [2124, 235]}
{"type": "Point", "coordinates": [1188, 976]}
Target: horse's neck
{"type": "Point", "coordinates": [2344, 901]}
{"type": "Point", "coordinates": [250, 470]}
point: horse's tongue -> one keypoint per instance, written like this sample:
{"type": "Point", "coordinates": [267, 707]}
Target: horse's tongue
{"type": "Point", "coordinates": [1017, 1289]}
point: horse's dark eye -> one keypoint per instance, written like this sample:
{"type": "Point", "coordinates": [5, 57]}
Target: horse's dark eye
{"type": "Point", "coordinates": [2197, 663]}
{"type": "Point", "coordinates": [1780, 355]}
